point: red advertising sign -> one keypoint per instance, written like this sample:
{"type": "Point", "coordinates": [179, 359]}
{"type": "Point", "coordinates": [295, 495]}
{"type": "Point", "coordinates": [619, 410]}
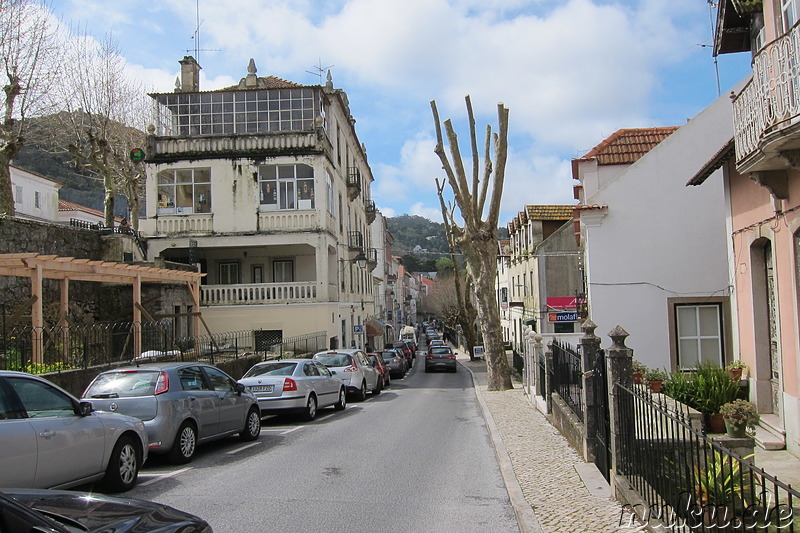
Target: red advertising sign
{"type": "Point", "coordinates": [562, 303]}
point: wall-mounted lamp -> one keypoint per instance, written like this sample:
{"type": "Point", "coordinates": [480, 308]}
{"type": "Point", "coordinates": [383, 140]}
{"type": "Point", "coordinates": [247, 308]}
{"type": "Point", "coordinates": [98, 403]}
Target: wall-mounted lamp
{"type": "Point", "coordinates": [361, 260]}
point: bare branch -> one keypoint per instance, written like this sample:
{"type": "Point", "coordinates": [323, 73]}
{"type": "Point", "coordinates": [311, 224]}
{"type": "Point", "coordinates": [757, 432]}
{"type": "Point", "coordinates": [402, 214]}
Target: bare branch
{"type": "Point", "coordinates": [475, 162]}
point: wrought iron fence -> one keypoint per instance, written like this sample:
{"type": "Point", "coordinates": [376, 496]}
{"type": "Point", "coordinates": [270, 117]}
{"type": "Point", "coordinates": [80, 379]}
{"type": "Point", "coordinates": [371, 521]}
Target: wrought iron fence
{"type": "Point", "coordinates": [518, 362]}
{"type": "Point", "coordinates": [688, 481]}
{"type": "Point", "coordinates": [567, 376]}
{"type": "Point", "coordinates": [541, 382]}
{"type": "Point", "coordinates": [300, 346]}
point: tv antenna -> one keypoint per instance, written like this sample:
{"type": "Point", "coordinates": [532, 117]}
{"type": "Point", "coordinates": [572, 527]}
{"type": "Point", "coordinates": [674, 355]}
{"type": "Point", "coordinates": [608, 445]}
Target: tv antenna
{"type": "Point", "coordinates": [319, 70]}
{"type": "Point", "coordinates": [196, 35]}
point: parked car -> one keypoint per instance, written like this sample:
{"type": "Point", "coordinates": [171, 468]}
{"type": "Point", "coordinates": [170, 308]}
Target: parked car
{"type": "Point", "coordinates": [49, 439]}
{"type": "Point", "coordinates": [60, 511]}
{"type": "Point", "coordinates": [403, 347]}
{"type": "Point", "coordinates": [441, 357]}
{"type": "Point", "coordinates": [396, 362]}
{"type": "Point", "coordinates": [294, 386]}
{"type": "Point", "coordinates": [354, 369]}
{"type": "Point", "coordinates": [437, 342]}
{"type": "Point", "coordinates": [181, 404]}
{"type": "Point", "coordinates": [377, 361]}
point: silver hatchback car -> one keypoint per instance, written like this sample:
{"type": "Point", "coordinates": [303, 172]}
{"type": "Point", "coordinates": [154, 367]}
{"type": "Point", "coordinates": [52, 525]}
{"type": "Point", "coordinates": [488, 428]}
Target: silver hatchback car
{"type": "Point", "coordinates": [354, 369]}
{"type": "Point", "coordinates": [181, 404]}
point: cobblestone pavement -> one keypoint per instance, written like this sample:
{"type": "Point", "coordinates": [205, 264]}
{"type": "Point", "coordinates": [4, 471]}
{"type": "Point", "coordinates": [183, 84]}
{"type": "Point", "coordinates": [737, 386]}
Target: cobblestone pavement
{"type": "Point", "coordinates": [544, 464]}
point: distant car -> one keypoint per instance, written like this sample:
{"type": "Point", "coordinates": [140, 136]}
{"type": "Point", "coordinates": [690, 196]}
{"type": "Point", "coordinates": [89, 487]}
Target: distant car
{"type": "Point", "coordinates": [396, 362]}
{"type": "Point", "coordinates": [406, 349]}
{"type": "Point", "coordinates": [378, 362]}
{"type": "Point", "coordinates": [354, 369]}
{"type": "Point", "coordinates": [436, 342]}
{"type": "Point", "coordinates": [294, 386]}
{"type": "Point", "coordinates": [441, 357]}
{"type": "Point", "coordinates": [181, 404]}
{"type": "Point", "coordinates": [60, 511]}
{"type": "Point", "coordinates": [49, 439]}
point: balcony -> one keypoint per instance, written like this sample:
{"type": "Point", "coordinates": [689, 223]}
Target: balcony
{"type": "Point", "coordinates": [765, 113]}
{"type": "Point", "coordinates": [195, 223]}
{"type": "Point", "coordinates": [259, 293]}
{"type": "Point", "coordinates": [353, 183]}
{"type": "Point", "coordinates": [355, 241]}
{"type": "Point", "coordinates": [372, 258]}
{"type": "Point", "coordinates": [167, 149]}
{"type": "Point", "coordinates": [370, 210]}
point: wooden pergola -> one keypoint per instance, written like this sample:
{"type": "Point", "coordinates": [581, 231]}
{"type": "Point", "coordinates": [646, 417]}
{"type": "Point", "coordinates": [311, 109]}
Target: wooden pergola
{"type": "Point", "coordinates": [38, 267]}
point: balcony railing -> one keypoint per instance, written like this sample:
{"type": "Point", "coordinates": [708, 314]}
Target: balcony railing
{"type": "Point", "coordinates": [372, 258]}
{"type": "Point", "coordinates": [170, 148]}
{"type": "Point", "coordinates": [355, 241]}
{"type": "Point", "coordinates": [353, 182]}
{"type": "Point", "coordinates": [772, 97]}
{"type": "Point", "coordinates": [370, 210]}
{"type": "Point", "coordinates": [201, 223]}
{"type": "Point", "coordinates": [259, 293]}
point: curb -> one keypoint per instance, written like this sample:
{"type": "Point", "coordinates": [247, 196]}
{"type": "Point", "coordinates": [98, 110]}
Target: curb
{"type": "Point", "coordinates": [526, 518]}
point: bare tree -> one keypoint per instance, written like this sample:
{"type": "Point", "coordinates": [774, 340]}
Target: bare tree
{"type": "Point", "coordinates": [104, 117]}
{"type": "Point", "coordinates": [477, 238]}
{"type": "Point", "coordinates": [27, 58]}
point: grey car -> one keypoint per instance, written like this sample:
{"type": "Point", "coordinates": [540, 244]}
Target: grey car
{"type": "Point", "coordinates": [396, 362]}
{"type": "Point", "coordinates": [48, 439]}
{"type": "Point", "coordinates": [182, 404]}
{"type": "Point", "coordinates": [354, 369]}
{"type": "Point", "coordinates": [440, 357]}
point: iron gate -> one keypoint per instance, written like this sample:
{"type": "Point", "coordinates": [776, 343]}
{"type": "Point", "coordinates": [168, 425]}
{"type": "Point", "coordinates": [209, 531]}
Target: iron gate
{"type": "Point", "coordinates": [602, 437]}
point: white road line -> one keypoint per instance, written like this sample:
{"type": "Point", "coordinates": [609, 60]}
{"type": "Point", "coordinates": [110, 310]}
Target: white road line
{"type": "Point", "coordinates": [282, 431]}
{"type": "Point", "coordinates": [290, 430]}
{"type": "Point", "coordinates": [161, 475]}
{"type": "Point", "coordinates": [242, 448]}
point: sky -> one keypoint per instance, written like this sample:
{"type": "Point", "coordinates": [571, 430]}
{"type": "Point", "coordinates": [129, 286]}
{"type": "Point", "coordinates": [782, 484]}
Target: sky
{"type": "Point", "coordinates": [571, 72]}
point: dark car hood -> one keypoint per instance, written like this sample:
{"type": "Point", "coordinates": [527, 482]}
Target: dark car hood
{"type": "Point", "coordinates": [101, 513]}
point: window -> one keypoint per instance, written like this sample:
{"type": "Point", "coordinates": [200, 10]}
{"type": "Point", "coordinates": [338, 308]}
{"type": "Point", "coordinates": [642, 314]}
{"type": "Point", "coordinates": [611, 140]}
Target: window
{"type": "Point", "coordinates": [219, 380]}
{"type": "Point", "coordinates": [258, 274]}
{"type": "Point", "coordinates": [286, 187]}
{"type": "Point", "coordinates": [184, 191]}
{"type": "Point", "coordinates": [18, 194]}
{"type": "Point", "coordinates": [40, 399]}
{"type": "Point", "coordinates": [329, 190]}
{"type": "Point", "coordinates": [699, 334]}
{"type": "Point", "coordinates": [283, 271]}
{"type": "Point", "coordinates": [191, 378]}
{"type": "Point", "coordinates": [228, 273]}
{"type": "Point", "coordinates": [789, 14]}
{"type": "Point", "coordinates": [37, 199]}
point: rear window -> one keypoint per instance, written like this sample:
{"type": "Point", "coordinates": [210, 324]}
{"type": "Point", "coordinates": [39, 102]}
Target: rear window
{"type": "Point", "coordinates": [271, 369]}
{"type": "Point", "coordinates": [439, 350]}
{"type": "Point", "coordinates": [333, 359]}
{"type": "Point", "coordinates": [123, 384]}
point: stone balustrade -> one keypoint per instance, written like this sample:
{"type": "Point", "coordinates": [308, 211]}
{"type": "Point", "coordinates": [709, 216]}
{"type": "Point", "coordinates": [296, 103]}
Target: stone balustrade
{"type": "Point", "coordinates": [259, 293]}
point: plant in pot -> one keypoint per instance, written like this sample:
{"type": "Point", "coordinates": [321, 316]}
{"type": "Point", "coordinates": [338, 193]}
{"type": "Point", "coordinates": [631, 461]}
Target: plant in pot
{"type": "Point", "coordinates": [739, 416]}
{"type": "Point", "coordinates": [713, 387]}
{"type": "Point", "coordinates": [736, 368]}
{"type": "Point", "coordinates": [655, 378]}
{"type": "Point", "coordinates": [638, 368]}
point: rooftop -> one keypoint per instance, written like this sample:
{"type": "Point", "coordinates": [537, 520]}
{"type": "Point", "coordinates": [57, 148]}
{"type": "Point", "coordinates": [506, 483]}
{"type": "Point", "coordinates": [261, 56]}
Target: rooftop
{"type": "Point", "coordinates": [626, 146]}
{"type": "Point", "coordinates": [549, 212]}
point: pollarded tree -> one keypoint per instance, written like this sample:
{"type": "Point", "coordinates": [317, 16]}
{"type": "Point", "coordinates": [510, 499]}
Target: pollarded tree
{"type": "Point", "coordinates": [28, 59]}
{"type": "Point", "coordinates": [476, 237]}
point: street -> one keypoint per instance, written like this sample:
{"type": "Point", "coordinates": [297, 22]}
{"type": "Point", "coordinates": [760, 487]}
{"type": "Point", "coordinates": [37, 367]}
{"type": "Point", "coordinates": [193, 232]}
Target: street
{"type": "Point", "coordinates": [417, 457]}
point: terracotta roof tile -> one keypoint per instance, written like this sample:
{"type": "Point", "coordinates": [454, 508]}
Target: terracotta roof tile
{"type": "Point", "coordinates": [63, 205]}
{"type": "Point", "coordinates": [626, 146]}
{"type": "Point", "coordinates": [549, 212]}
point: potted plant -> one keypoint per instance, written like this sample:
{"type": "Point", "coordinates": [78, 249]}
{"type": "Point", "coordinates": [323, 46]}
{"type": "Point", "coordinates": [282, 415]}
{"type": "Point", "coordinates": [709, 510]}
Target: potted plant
{"type": "Point", "coordinates": [736, 368]}
{"type": "Point", "coordinates": [638, 368]}
{"type": "Point", "coordinates": [655, 378]}
{"type": "Point", "coordinates": [739, 416]}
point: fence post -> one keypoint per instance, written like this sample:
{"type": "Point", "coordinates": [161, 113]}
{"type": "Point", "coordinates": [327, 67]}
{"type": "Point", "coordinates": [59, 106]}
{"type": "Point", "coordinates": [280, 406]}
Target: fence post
{"type": "Point", "coordinates": [528, 361]}
{"type": "Point", "coordinates": [589, 346]}
{"type": "Point", "coordinates": [619, 359]}
{"type": "Point", "coordinates": [548, 376]}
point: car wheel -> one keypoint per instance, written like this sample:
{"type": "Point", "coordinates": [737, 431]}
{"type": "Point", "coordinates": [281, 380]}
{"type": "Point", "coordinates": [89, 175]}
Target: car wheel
{"type": "Point", "coordinates": [342, 403]}
{"type": "Point", "coordinates": [362, 393]}
{"type": "Point", "coordinates": [378, 387]}
{"type": "Point", "coordinates": [252, 425]}
{"type": "Point", "coordinates": [311, 408]}
{"type": "Point", "coordinates": [123, 465]}
{"type": "Point", "coordinates": [185, 444]}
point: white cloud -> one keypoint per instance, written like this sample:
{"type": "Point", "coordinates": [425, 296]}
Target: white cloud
{"type": "Point", "coordinates": [387, 211]}
{"type": "Point", "coordinates": [422, 210]}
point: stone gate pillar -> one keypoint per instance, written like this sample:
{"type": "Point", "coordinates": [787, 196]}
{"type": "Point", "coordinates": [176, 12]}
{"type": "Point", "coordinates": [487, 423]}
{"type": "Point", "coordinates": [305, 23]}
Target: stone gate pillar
{"type": "Point", "coordinates": [619, 359]}
{"type": "Point", "coordinates": [589, 346]}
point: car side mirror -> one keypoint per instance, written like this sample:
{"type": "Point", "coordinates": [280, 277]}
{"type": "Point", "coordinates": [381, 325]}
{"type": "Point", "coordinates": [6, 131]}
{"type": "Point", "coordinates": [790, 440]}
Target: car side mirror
{"type": "Point", "coordinates": [240, 388]}
{"type": "Point", "coordinates": [85, 408]}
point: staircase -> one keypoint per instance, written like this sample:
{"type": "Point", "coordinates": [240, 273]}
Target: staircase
{"type": "Point", "coordinates": [770, 434]}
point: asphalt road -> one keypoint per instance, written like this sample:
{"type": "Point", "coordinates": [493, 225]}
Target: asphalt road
{"type": "Point", "coordinates": [417, 457]}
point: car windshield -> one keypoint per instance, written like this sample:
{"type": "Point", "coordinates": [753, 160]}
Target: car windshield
{"type": "Point", "coordinates": [333, 359]}
{"type": "Point", "coordinates": [123, 384]}
{"type": "Point", "coordinates": [271, 369]}
{"type": "Point", "coordinates": [437, 350]}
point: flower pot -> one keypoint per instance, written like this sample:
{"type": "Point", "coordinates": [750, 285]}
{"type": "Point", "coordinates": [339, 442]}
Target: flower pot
{"type": "Point", "coordinates": [735, 429]}
{"type": "Point", "coordinates": [637, 378]}
{"type": "Point", "coordinates": [715, 423]}
{"type": "Point", "coordinates": [655, 385]}
{"type": "Point", "coordinates": [736, 374]}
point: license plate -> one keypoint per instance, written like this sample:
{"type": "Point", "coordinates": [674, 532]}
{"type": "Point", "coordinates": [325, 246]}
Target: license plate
{"type": "Point", "coordinates": [261, 388]}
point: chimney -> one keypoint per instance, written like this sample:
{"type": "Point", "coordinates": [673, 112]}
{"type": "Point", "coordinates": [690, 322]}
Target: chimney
{"type": "Point", "coordinates": [190, 75]}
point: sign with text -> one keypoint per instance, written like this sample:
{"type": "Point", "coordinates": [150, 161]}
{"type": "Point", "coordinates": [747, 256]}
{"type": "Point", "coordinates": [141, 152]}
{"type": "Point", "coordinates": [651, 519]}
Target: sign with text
{"type": "Point", "coordinates": [562, 317]}
{"type": "Point", "coordinates": [358, 328]}
{"type": "Point", "coordinates": [477, 351]}
{"type": "Point", "coordinates": [565, 303]}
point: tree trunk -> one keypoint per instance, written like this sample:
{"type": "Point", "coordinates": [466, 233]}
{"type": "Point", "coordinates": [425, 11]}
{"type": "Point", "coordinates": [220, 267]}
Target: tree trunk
{"type": "Point", "coordinates": [7, 153]}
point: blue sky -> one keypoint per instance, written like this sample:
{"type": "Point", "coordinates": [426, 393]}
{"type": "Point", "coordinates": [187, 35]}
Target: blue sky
{"type": "Point", "coordinates": [571, 72]}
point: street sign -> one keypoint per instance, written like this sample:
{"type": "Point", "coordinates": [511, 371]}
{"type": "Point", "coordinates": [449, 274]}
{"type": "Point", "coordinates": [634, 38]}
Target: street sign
{"type": "Point", "coordinates": [358, 328]}
{"type": "Point", "coordinates": [562, 317]}
{"type": "Point", "coordinates": [477, 351]}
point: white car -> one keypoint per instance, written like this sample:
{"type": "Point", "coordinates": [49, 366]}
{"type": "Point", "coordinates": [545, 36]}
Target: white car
{"type": "Point", "coordinates": [49, 439]}
{"type": "Point", "coordinates": [294, 386]}
{"type": "Point", "coordinates": [354, 369]}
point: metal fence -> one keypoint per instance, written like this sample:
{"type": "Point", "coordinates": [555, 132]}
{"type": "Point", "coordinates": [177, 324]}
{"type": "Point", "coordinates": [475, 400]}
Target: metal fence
{"type": "Point", "coordinates": [567, 376]}
{"type": "Point", "coordinates": [518, 362]}
{"type": "Point", "coordinates": [689, 482]}
{"type": "Point", "coordinates": [542, 381]}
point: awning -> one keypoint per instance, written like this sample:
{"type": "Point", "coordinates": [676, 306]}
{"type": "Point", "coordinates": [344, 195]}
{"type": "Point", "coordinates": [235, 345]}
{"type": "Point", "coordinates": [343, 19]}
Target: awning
{"type": "Point", "coordinates": [375, 327]}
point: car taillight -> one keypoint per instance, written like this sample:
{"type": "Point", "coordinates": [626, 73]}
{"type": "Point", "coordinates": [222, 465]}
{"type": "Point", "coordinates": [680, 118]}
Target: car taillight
{"type": "Point", "coordinates": [428, 356]}
{"type": "Point", "coordinates": [289, 384]}
{"type": "Point", "coordinates": [451, 356]}
{"type": "Point", "coordinates": [350, 369]}
{"type": "Point", "coordinates": [162, 385]}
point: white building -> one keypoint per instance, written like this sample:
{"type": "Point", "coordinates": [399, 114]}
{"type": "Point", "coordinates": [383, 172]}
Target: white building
{"type": "Point", "coordinates": [35, 196]}
{"type": "Point", "coordinates": [266, 188]}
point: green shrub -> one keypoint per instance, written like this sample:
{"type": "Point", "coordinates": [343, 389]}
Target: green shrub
{"type": "Point", "coordinates": [706, 388]}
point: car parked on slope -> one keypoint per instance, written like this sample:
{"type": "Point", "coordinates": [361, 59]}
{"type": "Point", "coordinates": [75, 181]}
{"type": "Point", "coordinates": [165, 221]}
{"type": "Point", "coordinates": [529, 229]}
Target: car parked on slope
{"type": "Point", "coordinates": [396, 362]}
{"type": "Point", "coordinates": [294, 386]}
{"type": "Point", "coordinates": [354, 369]}
{"type": "Point", "coordinates": [402, 346]}
{"type": "Point", "coordinates": [181, 404]}
{"type": "Point", "coordinates": [49, 439]}
{"type": "Point", "coordinates": [441, 357]}
{"type": "Point", "coordinates": [377, 361]}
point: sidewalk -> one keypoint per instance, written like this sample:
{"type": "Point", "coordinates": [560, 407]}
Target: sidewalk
{"type": "Point", "coordinates": [540, 469]}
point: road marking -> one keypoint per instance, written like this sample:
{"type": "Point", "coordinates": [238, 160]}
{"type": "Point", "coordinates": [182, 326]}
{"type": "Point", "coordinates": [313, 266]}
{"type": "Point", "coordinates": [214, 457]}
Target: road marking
{"type": "Point", "coordinates": [282, 431]}
{"type": "Point", "coordinates": [242, 448]}
{"type": "Point", "coordinates": [290, 430]}
{"type": "Point", "coordinates": [161, 475]}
